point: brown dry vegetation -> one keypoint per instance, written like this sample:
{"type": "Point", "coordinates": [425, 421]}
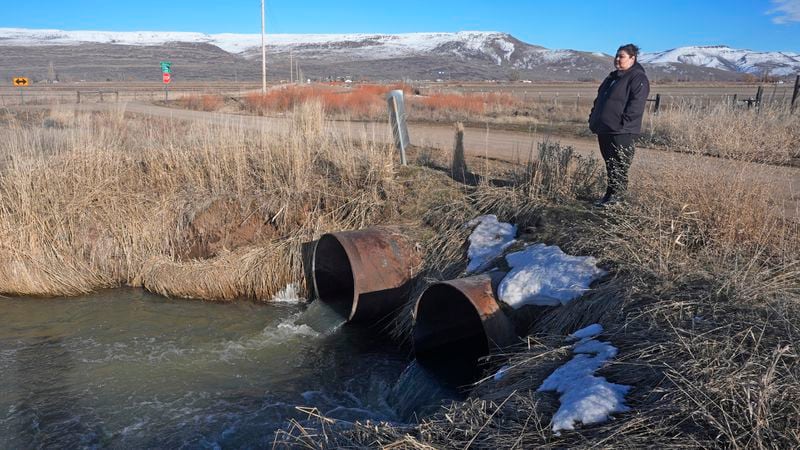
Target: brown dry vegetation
{"type": "Point", "coordinates": [702, 302]}
{"type": "Point", "coordinates": [770, 135]}
{"type": "Point", "coordinates": [703, 305]}
{"type": "Point", "coordinates": [100, 200]}
{"type": "Point", "coordinates": [201, 102]}
{"type": "Point", "coordinates": [691, 125]}
{"type": "Point", "coordinates": [361, 102]}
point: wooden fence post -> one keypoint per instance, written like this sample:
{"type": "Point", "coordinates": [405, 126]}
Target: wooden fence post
{"type": "Point", "coordinates": [658, 104]}
{"type": "Point", "coordinates": [101, 96]}
{"type": "Point", "coordinates": [771, 101]}
{"type": "Point", "coordinates": [759, 94]}
{"type": "Point", "coordinates": [733, 103]}
{"type": "Point", "coordinates": [796, 93]}
{"type": "Point", "coordinates": [78, 93]}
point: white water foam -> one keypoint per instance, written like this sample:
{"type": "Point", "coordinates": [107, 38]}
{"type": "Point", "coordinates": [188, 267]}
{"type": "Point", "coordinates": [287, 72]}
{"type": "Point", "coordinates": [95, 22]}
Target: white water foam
{"type": "Point", "coordinates": [283, 333]}
{"type": "Point", "coordinates": [139, 349]}
{"type": "Point", "coordinates": [289, 294]}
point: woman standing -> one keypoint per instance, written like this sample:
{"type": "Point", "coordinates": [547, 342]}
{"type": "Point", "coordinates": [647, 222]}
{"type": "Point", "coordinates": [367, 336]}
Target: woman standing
{"type": "Point", "coordinates": [616, 118]}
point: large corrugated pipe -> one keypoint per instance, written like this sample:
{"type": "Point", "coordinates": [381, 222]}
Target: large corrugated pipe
{"type": "Point", "coordinates": [457, 322]}
{"type": "Point", "coordinates": [365, 274]}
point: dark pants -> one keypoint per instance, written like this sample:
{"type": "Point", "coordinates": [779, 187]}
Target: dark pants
{"type": "Point", "coordinates": [617, 151]}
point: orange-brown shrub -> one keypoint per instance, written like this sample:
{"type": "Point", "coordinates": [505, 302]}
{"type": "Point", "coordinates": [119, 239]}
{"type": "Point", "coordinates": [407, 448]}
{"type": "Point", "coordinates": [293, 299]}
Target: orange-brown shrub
{"type": "Point", "coordinates": [453, 102]}
{"type": "Point", "coordinates": [359, 101]}
{"type": "Point", "coordinates": [277, 99]}
{"type": "Point", "coordinates": [383, 89]}
{"type": "Point", "coordinates": [365, 100]}
{"type": "Point", "coordinates": [203, 102]}
{"type": "Point", "coordinates": [464, 104]}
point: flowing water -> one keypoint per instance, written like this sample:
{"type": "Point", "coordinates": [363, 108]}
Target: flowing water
{"type": "Point", "coordinates": [126, 369]}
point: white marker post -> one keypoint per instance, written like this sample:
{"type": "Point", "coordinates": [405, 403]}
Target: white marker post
{"type": "Point", "coordinates": [397, 120]}
{"type": "Point", "coordinates": [263, 52]}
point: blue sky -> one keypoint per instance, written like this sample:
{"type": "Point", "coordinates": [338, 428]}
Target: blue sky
{"type": "Point", "coordinates": [592, 25]}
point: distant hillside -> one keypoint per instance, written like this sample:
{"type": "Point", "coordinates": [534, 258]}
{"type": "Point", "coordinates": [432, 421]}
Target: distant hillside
{"type": "Point", "coordinates": [728, 59]}
{"type": "Point", "coordinates": [100, 56]}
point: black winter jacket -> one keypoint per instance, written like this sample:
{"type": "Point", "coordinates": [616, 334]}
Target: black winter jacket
{"type": "Point", "coordinates": [620, 102]}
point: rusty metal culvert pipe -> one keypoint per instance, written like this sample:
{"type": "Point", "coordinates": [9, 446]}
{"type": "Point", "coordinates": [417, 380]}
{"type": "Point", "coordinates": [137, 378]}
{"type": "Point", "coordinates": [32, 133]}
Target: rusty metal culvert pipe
{"type": "Point", "coordinates": [456, 322]}
{"type": "Point", "coordinates": [365, 274]}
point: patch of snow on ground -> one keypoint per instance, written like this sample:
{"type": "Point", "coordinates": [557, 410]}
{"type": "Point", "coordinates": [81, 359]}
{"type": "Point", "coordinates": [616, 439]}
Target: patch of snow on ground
{"type": "Point", "coordinates": [587, 332]}
{"type": "Point", "coordinates": [556, 55]}
{"type": "Point", "coordinates": [488, 240]}
{"type": "Point", "coordinates": [544, 275]}
{"type": "Point", "coordinates": [289, 294]}
{"type": "Point", "coordinates": [585, 397]}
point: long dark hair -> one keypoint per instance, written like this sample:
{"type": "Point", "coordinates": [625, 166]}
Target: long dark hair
{"type": "Point", "coordinates": [630, 49]}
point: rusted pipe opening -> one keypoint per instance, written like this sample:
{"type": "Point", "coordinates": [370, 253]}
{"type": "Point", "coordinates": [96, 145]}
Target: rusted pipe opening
{"type": "Point", "coordinates": [446, 324]}
{"type": "Point", "coordinates": [458, 322]}
{"type": "Point", "coordinates": [364, 274]}
{"type": "Point", "coordinates": [333, 276]}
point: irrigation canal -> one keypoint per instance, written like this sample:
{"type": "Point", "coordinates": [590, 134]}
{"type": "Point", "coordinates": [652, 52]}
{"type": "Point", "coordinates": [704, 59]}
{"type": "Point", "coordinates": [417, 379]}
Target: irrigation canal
{"type": "Point", "coordinates": [126, 369]}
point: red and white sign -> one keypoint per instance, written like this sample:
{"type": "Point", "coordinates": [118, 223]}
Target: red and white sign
{"type": "Point", "coordinates": [167, 77]}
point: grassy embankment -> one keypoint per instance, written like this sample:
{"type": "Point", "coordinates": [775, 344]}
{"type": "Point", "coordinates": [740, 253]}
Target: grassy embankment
{"type": "Point", "coordinates": [104, 200]}
{"type": "Point", "coordinates": [702, 301]}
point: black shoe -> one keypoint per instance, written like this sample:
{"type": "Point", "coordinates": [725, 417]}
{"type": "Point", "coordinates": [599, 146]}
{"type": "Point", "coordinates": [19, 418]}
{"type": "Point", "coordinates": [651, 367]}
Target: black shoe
{"type": "Point", "coordinates": [607, 202]}
{"type": "Point", "coordinates": [602, 202]}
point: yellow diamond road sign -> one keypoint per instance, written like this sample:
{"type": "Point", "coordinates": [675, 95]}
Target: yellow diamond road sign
{"type": "Point", "coordinates": [20, 81]}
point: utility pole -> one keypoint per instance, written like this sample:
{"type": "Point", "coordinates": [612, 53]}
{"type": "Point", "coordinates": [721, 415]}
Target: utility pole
{"type": "Point", "coordinates": [263, 53]}
{"type": "Point", "coordinates": [291, 69]}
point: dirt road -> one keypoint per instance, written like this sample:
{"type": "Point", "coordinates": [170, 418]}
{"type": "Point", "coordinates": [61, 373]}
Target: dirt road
{"type": "Point", "coordinates": [497, 144]}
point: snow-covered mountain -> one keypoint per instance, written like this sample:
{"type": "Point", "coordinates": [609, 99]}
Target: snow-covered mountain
{"type": "Point", "coordinates": [729, 59]}
{"type": "Point", "coordinates": [105, 55]}
{"type": "Point", "coordinates": [462, 55]}
{"type": "Point", "coordinates": [499, 47]}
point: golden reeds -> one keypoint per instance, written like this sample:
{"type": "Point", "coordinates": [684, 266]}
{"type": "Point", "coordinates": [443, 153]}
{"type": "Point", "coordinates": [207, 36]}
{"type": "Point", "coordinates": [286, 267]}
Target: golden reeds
{"type": "Point", "coordinates": [106, 200]}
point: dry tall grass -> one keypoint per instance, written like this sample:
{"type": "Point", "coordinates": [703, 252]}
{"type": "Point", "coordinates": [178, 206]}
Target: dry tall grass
{"type": "Point", "coordinates": [104, 200]}
{"type": "Point", "coordinates": [770, 135]}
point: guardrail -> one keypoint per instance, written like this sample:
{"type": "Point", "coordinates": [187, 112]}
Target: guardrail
{"type": "Point", "coordinates": [31, 96]}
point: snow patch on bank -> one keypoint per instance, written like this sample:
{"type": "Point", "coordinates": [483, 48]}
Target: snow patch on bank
{"type": "Point", "coordinates": [588, 332]}
{"type": "Point", "coordinates": [585, 397]}
{"type": "Point", "coordinates": [488, 240]}
{"type": "Point", "coordinates": [546, 276]}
